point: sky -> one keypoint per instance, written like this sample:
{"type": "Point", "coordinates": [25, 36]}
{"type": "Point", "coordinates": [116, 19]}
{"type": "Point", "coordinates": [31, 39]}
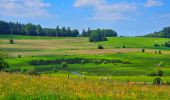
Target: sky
{"type": "Point", "coordinates": [127, 17]}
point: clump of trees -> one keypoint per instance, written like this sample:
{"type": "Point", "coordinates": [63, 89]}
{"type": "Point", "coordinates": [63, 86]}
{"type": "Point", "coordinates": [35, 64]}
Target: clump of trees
{"type": "Point", "coordinates": [30, 29]}
{"type": "Point", "coordinates": [74, 61]}
{"type": "Point", "coordinates": [12, 28]}
{"type": "Point", "coordinates": [164, 33]}
{"type": "Point", "coordinates": [167, 44]}
{"type": "Point", "coordinates": [106, 32]}
{"type": "Point", "coordinates": [3, 64]}
{"type": "Point", "coordinates": [97, 36]}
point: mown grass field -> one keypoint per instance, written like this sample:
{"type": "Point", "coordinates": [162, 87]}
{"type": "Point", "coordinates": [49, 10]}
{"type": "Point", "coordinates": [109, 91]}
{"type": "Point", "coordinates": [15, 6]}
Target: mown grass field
{"type": "Point", "coordinates": [51, 48]}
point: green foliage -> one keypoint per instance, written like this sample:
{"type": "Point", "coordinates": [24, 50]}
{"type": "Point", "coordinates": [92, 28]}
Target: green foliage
{"type": "Point", "coordinates": [124, 46]}
{"type": "Point", "coordinates": [64, 65]}
{"type": "Point", "coordinates": [4, 54]}
{"type": "Point", "coordinates": [157, 81]}
{"type": "Point", "coordinates": [160, 52]}
{"type": "Point", "coordinates": [97, 36]}
{"type": "Point", "coordinates": [100, 47]}
{"type": "Point", "coordinates": [3, 64]}
{"type": "Point", "coordinates": [32, 72]}
{"type": "Point", "coordinates": [4, 27]}
{"type": "Point", "coordinates": [73, 61]}
{"type": "Point", "coordinates": [106, 32]}
{"type": "Point", "coordinates": [11, 41]}
{"type": "Point", "coordinates": [159, 73]}
{"type": "Point", "coordinates": [19, 56]}
{"type": "Point", "coordinates": [143, 50]}
{"type": "Point", "coordinates": [35, 30]}
{"type": "Point", "coordinates": [165, 33]}
{"type": "Point", "coordinates": [156, 45]}
{"type": "Point", "coordinates": [167, 44]}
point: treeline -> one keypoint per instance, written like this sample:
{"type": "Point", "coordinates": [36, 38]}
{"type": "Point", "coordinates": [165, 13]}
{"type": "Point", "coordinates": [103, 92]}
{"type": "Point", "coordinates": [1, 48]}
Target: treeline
{"type": "Point", "coordinates": [105, 32]}
{"type": "Point", "coordinates": [30, 29]}
{"type": "Point", "coordinates": [11, 28]}
{"type": "Point", "coordinates": [164, 33]}
{"type": "Point", "coordinates": [75, 61]}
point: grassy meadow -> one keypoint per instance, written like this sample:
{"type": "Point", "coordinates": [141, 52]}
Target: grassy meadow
{"type": "Point", "coordinates": [17, 87]}
{"type": "Point", "coordinates": [85, 79]}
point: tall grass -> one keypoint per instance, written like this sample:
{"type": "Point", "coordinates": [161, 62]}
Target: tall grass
{"type": "Point", "coordinates": [17, 86]}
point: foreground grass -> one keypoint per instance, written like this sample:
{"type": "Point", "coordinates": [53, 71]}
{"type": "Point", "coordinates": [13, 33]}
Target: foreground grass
{"type": "Point", "coordinates": [17, 86]}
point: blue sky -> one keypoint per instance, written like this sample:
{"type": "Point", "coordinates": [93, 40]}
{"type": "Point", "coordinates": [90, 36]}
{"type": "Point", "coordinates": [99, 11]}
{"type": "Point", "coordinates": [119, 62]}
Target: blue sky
{"type": "Point", "coordinates": [127, 17]}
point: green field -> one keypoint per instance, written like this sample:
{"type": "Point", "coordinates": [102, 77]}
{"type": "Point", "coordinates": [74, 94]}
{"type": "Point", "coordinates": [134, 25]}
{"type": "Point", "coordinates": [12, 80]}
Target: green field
{"type": "Point", "coordinates": [111, 68]}
{"type": "Point", "coordinates": [47, 48]}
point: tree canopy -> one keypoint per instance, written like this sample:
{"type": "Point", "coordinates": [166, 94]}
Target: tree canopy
{"type": "Point", "coordinates": [106, 32]}
{"type": "Point", "coordinates": [15, 28]}
{"type": "Point", "coordinates": [30, 29]}
{"type": "Point", "coordinates": [97, 36]}
{"type": "Point", "coordinates": [165, 33]}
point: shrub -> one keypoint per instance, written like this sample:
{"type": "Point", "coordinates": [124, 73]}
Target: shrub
{"type": "Point", "coordinates": [167, 44]}
{"type": "Point", "coordinates": [97, 62]}
{"type": "Point", "coordinates": [124, 46]}
{"type": "Point", "coordinates": [157, 81]}
{"type": "Point", "coordinates": [64, 65]}
{"type": "Point", "coordinates": [143, 50]}
{"type": "Point", "coordinates": [3, 65]}
{"type": "Point", "coordinates": [159, 73]}
{"type": "Point", "coordinates": [55, 70]}
{"type": "Point", "coordinates": [82, 61]}
{"type": "Point", "coordinates": [11, 41]}
{"type": "Point", "coordinates": [32, 72]}
{"type": "Point", "coordinates": [156, 45]}
{"type": "Point", "coordinates": [19, 56]}
{"type": "Point", "coordinates": [100, 47]}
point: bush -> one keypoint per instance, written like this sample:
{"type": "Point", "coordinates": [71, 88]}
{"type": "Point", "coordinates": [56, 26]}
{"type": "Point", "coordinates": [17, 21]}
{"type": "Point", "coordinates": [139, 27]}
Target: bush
{"type": "Point", "coordinates": [156, 45]}
{"type": "Point", "coordinates": [167, 44]}
{"type": "Point", "coordinates": [64, 65]}
{"type": "Point", "coordinates": [11, 41]}
{"type": "Point", "coordinates": [124, 46]}
{"type": "Point", "coordinates": [32, 72]}
{"type": "Point", "coordinates": [3, 65]}
{"type": "Point", "coordinates": [19, 56]}
{"type": "Point", "coordinates": [159, 73]}
{"type": "Point", "coordinates": [100, 47]}
{"type": "Point", "coordinates": [157, 81]}
{"type": "Point", "coordinates": [143, 50]}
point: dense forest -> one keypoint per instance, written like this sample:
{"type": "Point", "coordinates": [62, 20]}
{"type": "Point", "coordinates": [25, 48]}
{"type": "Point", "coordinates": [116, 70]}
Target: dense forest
{"type": "Point", "coordinates": [11, 28]}
{"type": "Point", "coordinates": [164, 33]}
